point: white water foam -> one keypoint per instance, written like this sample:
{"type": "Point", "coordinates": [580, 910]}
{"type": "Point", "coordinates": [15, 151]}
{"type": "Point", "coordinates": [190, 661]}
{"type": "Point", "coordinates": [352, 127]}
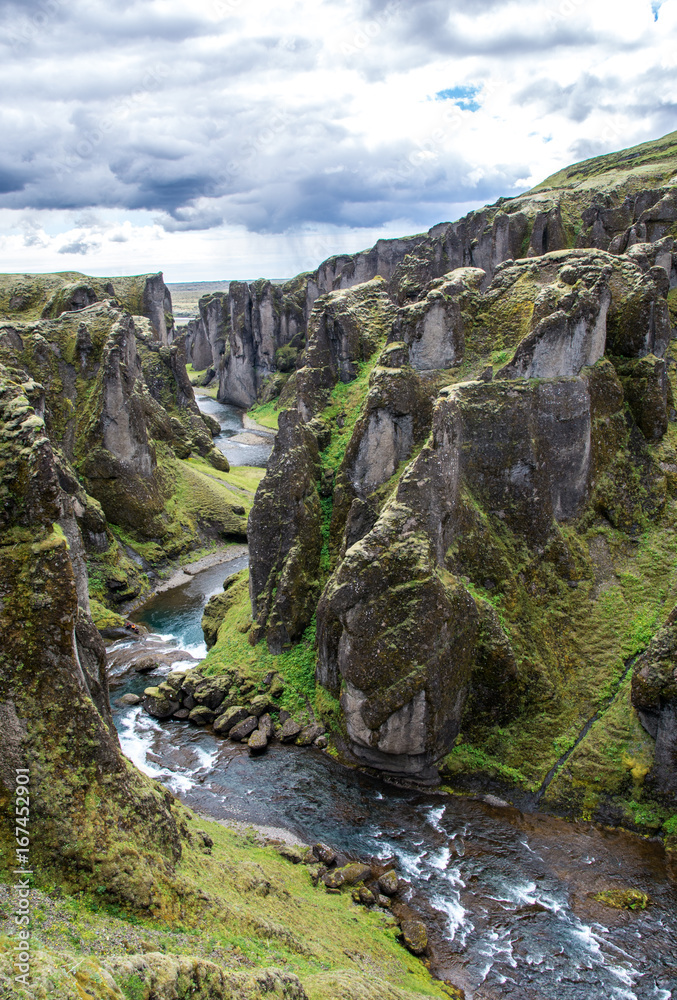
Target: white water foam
{"type": "Point", "coordinates": [434, 816]}
{"type": "Point", "coordinates": [135, 741]}
{"type": "Point", "coordinates": [458, 926]}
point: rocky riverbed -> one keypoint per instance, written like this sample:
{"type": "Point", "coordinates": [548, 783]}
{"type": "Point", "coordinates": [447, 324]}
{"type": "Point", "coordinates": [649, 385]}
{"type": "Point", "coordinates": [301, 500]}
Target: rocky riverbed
{"type": "Point", "coordinates": [513, 905]}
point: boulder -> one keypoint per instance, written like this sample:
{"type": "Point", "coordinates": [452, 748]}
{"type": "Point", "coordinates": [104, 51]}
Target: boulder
{"type": "Point", "coordinates": [218, 460]}
{"type": "Point", "coordinates": [383, 901]}
{"type": "Point", "coordinates": [324, 853]}
{"type": "Point", "coordinates": [257, 742]}
{"type": "Point", "coordinates": [231, 717]}
{"type": "Point", "coordinates": [355, 872]}
{"type": "Point", "coordinates": [182, 713]}
{"type": "Point", "coordinates": [266, 726]}
{"type": "Point", "coordinates": [146, 665]}
{"type": "Point", "coordinates": [129, 699]}
{"type": "Point", "coordinates": [201, 715]}
{"type": "Point", "coordinates": [364, 896]}
{"type": "Point", "coordinates": [321, 743]}
{"type": "Point", "coordinates": [389, 883]}
{"type": "Point", "coordinates": [210, 691]}
{"type": "Point", "coordinates": [259, 705]}
{"type": "Point", "coordinates": [290, 730]}
{"type": "Point", "coordinates": [334, 880]}
{"type": "Point", "coordinates": [276, 687]}
{"type": "Point", "coordinates": [243, 729]}
{"type": "Point", "coordinates": [415, 936]}
{"type": "Point", "coordinates": [292, 852]}
{"type": "Point", "coordinates": [157, 705]}
{"type": "Point", "coordinates": [309, 734]}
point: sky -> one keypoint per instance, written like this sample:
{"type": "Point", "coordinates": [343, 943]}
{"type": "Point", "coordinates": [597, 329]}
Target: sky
{"type": "Point", "coordinates": [223, 139]}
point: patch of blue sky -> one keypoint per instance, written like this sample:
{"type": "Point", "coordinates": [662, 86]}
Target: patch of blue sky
{"type": "Point", "coordinates": [463, 96]}
{"type": "Point", "coordinates": [656, 6]}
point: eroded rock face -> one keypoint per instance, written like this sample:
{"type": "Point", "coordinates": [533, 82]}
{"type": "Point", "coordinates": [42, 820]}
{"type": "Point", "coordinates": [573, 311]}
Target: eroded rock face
{"type": "Point", "coordinates": [654, 695]}
{"type": "Point", "coordinates": [434, 328]}
{"type": "Point", "coordinates": [285, 536]}
{"type": "Point", "coordinates": [345, 329]}
{"type": "Point", "coordinates": [53, 689]}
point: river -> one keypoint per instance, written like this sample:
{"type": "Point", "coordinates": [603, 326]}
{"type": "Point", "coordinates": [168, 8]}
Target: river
{"type": "Point", "coordinates": [505, 895]}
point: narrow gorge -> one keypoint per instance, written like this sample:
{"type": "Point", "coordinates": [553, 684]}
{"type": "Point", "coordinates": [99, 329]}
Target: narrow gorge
{"type": "Point", "coordinates": [340, 625]}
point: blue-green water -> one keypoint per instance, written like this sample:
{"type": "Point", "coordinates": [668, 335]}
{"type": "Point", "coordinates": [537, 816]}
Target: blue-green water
{"type": "Point", "coordinates": [506, 895]}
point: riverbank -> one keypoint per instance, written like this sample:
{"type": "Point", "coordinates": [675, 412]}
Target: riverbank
{"type": "Point", "coordinates": [221, 556]}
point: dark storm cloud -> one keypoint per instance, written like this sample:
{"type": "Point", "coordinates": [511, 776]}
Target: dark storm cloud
{"type": "Point", "coordinates": [172, 109]}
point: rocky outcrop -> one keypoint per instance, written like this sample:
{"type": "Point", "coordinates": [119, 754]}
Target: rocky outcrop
{"type": "Point", "coordinates": [285, 528]}
{"type": "Point", "coordinates": [654, 695]}
{"type": "Point", "coordinates": [346, 328]}
{"type": "Point", "coordinates": [434, 328]}
{"type": "Point", "coordinates": [247, 335]}
{"type": "Point", "coordinates": [96, 815]}
{"type": "Point", "coordinates": [47, 296]}
{"type": "Point", "coordinates": [118, 406]}
{"type": "Point", "coordinates": [597, 204]}
{"type": "Point", "coordinates": [528, 438]}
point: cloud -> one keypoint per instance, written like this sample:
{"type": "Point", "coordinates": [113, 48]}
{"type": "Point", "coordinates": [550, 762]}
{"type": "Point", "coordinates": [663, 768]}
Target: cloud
{"type": "Point", "coordinates": [78, 246]}
{"type": "Point", "coordinates": [326, 114]}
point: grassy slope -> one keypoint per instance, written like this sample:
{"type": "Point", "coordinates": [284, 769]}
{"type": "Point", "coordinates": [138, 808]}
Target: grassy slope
{"type": "Point", "coordinates": [24, 296]}
{"type": "Point", "coordinates": [243, 908]}
{"type": "Point", "coordinates": [654, 161]}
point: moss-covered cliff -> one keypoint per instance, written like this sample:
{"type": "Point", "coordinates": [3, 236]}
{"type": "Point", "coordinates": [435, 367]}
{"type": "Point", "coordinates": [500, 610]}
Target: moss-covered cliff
{"type": "Point", "coordinates": [478, 475]}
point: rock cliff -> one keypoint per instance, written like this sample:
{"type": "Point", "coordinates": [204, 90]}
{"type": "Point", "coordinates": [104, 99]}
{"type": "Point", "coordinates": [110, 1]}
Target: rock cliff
{"type": "Point", "coordinates": [608, 203]}
{"type": "Point", "coordinates": [479, 444]}
{"type": "Point", "coordinates": [121, 415]}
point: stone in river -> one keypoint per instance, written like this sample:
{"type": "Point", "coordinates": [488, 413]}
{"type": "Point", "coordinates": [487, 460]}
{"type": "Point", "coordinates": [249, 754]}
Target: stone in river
{"type": "Point", "coordinates": [257, 742]}
{"type": "Point", "coordinates": [415, 936]}
{"type": "Point", "coordinates": [266, 725]}
{"type": "Point", "coordinates": [244, 729]}
{"type": "Point", "coordinates": [129, 699]}
{"type": "Point", "coordinates": [309, 734]}
{"type": "Point", "coordinates": [389, 883]}
{"type": "Point", "coordinates": [182, 713]}
{"type": "Point", "coordinates": [157, 705]}
{"type": "Point", "coordinates": [146, 665]}
{"type": "Point", "coordinates": [231, 717]}
{"type": "Point", "coordinates": [289, 731]}
{"type": "Point", "coordinates": [201, 715]}
{"type": "Point", "coordinates": [321, 743]}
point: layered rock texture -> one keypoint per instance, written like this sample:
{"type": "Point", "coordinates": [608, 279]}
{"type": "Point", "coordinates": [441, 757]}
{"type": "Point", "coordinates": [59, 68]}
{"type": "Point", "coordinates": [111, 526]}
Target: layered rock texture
{"type": "Point", "coordinates": [476, 469]}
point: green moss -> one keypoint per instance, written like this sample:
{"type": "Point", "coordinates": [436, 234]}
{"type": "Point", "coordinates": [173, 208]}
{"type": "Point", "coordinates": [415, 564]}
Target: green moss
{"type": "Point", "coordinates": [623, 899]}
{"type": "Point", "coordinates": [103, 617]}
{"type": "Point", "coordinates": [266, 414]}
{"type": "Point", "coordinates": [242, 480]}
{"type": "Point", "coordinates": [297, 665]}
{"type": "Point", "coordinates": [244, 909]}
